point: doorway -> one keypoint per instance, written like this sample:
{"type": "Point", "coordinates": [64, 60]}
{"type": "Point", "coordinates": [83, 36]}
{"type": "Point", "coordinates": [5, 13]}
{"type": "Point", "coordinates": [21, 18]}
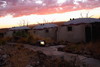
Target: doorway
{"type": "Point", "coordinates": [88, 33]}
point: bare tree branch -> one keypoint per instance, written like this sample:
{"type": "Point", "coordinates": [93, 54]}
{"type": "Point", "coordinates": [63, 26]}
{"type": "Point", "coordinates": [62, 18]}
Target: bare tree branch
{"type": "Point", "coordinates": [81, 15]}
{"type": "Point", "coordinates": [27, 23]}
{"type": "Point", "coordinates": [91, 16]}
{"type": "Point", "coordinates": [38, 22]}
{"type": "Point", "coordinates": [87, 14]}
{"type": "Point", "coordinates": [23, 22]}
{"type": "Point", "coordinates": [53, 20]}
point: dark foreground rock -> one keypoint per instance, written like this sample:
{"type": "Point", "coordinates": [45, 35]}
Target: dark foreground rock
{"type": "Point", "coordinates": [2, 62]}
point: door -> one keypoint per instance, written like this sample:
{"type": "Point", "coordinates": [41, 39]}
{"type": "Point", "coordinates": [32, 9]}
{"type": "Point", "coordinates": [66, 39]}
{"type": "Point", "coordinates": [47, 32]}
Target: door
{"type": "Point", "coordinates": [88, 33]}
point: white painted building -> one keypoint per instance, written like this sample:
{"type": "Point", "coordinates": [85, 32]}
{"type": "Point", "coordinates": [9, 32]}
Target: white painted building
{"type": "Point", "coordinates": [46, 30]}
{"type": "Point", "coordinates": [13, 30]}
{"type": "Point", "coordinates": [77, 30]}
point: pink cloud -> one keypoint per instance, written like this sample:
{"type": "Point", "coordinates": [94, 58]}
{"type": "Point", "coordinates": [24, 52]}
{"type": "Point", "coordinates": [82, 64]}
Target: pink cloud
{"type": "Point", "coordinates": [27, 7]}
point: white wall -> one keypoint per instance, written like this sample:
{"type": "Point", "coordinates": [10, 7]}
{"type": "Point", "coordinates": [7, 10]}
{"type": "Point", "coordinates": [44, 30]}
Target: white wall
{"type": "Point", "coordinates": [76, 35]}
{"type": "Point", "coordinates": [9, 33]}
{"type": "Point", "coordinates": [51, 34]}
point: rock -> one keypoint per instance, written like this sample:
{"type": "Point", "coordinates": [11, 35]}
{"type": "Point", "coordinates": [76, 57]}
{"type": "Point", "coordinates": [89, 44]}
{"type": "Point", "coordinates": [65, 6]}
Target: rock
{"type": "Point", "coordinates": [87, 52]}
{"type": "Point", "coordinates": [60, 48]}
{"type": "Point", "coordinates": [0, 50]}
{"type": "Point", "coordinates": [29, 66]}
{"type": "Point", "coordinates": [4, 56]}
{"type": "Point", "coordinates": [41, 54]}
{"type": "Point", "coordinates": [1, 47]}
{"type": "Point", "coordinates": [76, 52]}
{"type": "Point", "coordinates": [2, 62]}
{"type": "Point", "coordinates": [34, 61]}
{"type": "Point", "coordinates": [88, 56]}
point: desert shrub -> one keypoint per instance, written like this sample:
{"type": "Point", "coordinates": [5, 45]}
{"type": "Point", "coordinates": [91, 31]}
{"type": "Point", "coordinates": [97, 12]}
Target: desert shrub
{"type": "Point", "coordinates": [61, 42]}
{"type": "Point", "coordinates": [55, 62]}
{"type": "Point", "coordinates": [48, 40]}
{"type": "Point", "coordinates": [19, 46]}
{"type": "Point", "coordinates": [24, 35]}
{"type": "Point", "coordinates": [22, 40]}
{"type": "Point", "coordinates": [9, 38]}
{"type": "Point", "coordinates": [36, 38]}
{"type": "Point", "coordinates": [30, 38]}
{"type": "Point", "coordinates": [96, 47]}
{"type": "Point", "coordinates": [20, 34]}
{"type": "Point", "coordinates": [3, 41]}
{"type": "Point", "coordinates": [89, 45]}
{"type": "Point", "coordinates": [81, 46]}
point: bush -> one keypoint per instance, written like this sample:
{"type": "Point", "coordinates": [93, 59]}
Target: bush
{"type": "Point", "coordinates": [62, 42]}
{"type": "Point", "coordinates": [3, 41]}
{"type": "Point", "coordinates": [9, 38]}
{"type": "Point", "coordinates": [48, 40]}
{"type": "Point", "coordinates": [19, 33]}
{"type": "Point", "coordinates": [22, 40]}
{"type": "Point", "coordinates": [30, 38]}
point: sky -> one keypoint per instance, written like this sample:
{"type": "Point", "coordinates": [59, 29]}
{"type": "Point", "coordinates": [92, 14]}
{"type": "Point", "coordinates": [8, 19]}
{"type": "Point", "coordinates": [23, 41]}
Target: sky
{"type": "Point", "coordinates": [14, 12]}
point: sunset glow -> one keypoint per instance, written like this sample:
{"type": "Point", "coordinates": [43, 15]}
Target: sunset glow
{"type": "Point", "coordinates": [12, 11]}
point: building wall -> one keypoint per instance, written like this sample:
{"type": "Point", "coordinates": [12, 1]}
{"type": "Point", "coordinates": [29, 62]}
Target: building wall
{"type": "Point", "coordinates": [51, 34]}
{"type": "Point", "coordinates": [9, 33]}
{"type": "Point", "coordinates": [76, 35]}
{"type": "Point", "coordinates": [31, 32]}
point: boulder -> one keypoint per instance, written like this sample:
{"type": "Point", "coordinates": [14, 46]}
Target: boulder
{"type": "Point", "coordinates": [4, 56]}
{"type": "Point", "coordinates": [29, 66]}
{"type": "Point", "coordinates": [87, 52]}
{"type": "Point", "coordinates": [41, 54]}
{"type": "Point", "coordinates": [60, 48]}
{"type": "Point", "coordinates": [2, 62]}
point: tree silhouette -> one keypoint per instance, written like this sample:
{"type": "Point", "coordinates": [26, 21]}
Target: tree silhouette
{"type": "Point", "coordinates": [87, 15]}
{"type": "Point", "coordinates": [23, 23]}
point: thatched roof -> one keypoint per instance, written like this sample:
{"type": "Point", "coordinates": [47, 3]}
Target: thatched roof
{"type": "Point", "coordinates": [45, 26]}
{"type": "Point", "coordinates": [81, 21]}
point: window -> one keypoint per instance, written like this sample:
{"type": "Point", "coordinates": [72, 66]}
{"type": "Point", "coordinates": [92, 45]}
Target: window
{"type": "Point", "coordinates": [46, 31]}
{"type": "Point", "coordinates": [23, 31]}
{"type": "Point", "coordinates": [69, 28]}
{"type": "Point", "coordinates": [14, 32]}
{"type": "Point", "coordinates": [56, 29]}
{"type": "Point", "coordinates": [5, 32]}
{"type": "Point", "coordinates": [34, 32]}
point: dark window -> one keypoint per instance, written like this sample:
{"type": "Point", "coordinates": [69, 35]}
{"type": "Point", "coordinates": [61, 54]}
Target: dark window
{"type": "Point", "coordinates": [28, 32]}
{"type": "Point", "coordinates": [23, 32]}
{"type": "Point", "coordinates": [34, 32]}
{"type": "Point", "coordinates": [69, 28]}
{"type": "Point", "coordinates": [46, 31]}
{"type": "Point", "coordinates": [56, 29]}
{"type": "Point", "coordinates": [5, 32]}
{"type": "Point", "coordinates": [14, 32]}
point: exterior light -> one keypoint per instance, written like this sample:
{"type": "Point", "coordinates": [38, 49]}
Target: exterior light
{"type": "Point", "coordinates": [42, 43]}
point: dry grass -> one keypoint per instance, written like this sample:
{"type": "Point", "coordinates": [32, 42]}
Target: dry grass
{"type": "Point", "coordinates": [9, 38]}
{"type": "Point", "coordinates": [3, 41]}
{"type": "Point", "coordinates": [22, 40]}
{"type": "Point", "coordinates": [48, 40]}
{"type": "Point", "coordinates": [20, 56]}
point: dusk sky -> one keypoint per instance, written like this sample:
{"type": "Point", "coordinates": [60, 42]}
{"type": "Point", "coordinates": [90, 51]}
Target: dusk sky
{"type": "Point", "coordinates": [13, 11]}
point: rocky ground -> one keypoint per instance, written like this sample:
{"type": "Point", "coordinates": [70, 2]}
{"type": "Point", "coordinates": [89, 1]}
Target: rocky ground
{"type": "Point", "coordinates": [25, 55]}
{"type": "Point", "coordinates": [19, 55]}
